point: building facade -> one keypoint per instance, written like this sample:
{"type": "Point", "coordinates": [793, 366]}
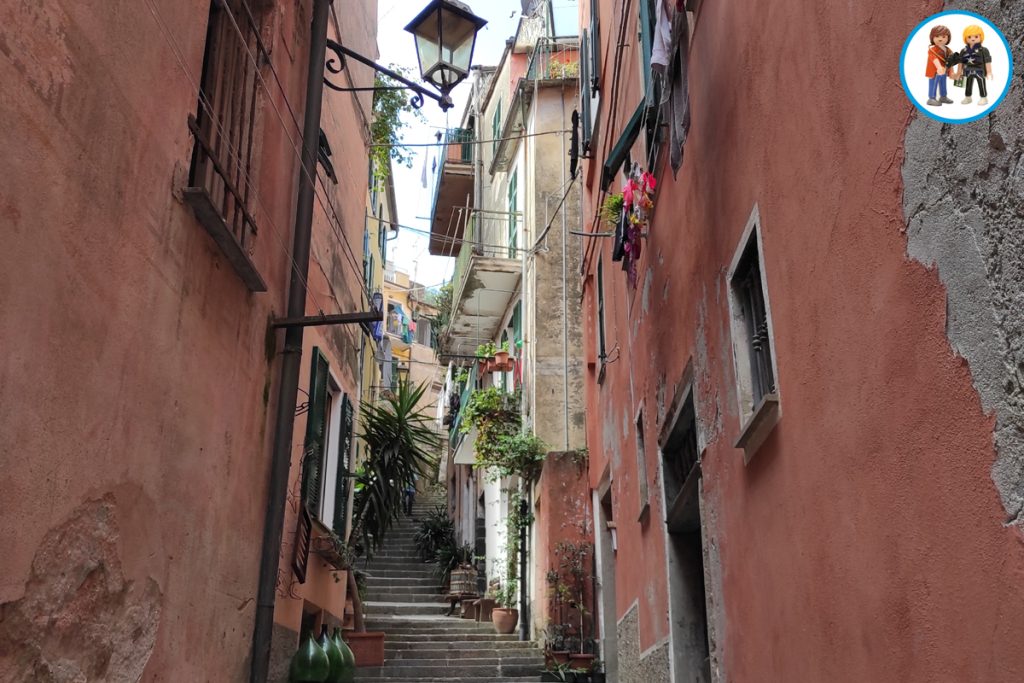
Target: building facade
{"type": "Point", "coordinates": [504, 205]}
{"type": "Point", "coordinates": [148, 230]}
{"type": "Point", "coordinates": [799, 354]}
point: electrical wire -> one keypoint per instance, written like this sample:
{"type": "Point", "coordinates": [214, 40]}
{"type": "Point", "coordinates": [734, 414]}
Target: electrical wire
{"type": "Point", "coordinates": [208, 107]}
{"type": "Point", "coordinates": [469, 142]}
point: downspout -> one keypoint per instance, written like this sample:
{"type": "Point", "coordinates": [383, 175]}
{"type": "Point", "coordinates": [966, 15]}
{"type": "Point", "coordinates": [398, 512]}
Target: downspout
{"type": "Point", "coordinates": [273, 524]}
{"type": "Point", "coordinates": [565, 294]}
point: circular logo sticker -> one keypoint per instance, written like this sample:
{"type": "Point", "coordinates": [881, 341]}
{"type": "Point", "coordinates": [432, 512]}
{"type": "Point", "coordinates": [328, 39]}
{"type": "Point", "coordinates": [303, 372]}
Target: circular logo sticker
{"type": "Point", "coordinates": [956, 66]}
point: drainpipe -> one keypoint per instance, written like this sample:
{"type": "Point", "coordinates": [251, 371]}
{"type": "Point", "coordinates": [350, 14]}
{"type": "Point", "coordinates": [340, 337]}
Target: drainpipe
{"type": "Point", "coordinates": [524, 605]}
{"type": "Point", "coordinates": [288, 388]}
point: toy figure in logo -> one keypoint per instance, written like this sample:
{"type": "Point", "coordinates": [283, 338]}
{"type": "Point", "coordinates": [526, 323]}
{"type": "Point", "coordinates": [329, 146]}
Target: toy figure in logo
{"type": "Point", "coordinates": [975, 63]}
{"type": "Point", "coordinates": [938, 56]}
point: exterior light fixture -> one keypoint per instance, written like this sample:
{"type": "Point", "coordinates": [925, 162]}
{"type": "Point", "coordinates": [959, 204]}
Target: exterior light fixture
{"type": "Point", "coordinates": [377, 303]}
{"type": "Point", "coordinates": [445, 33]}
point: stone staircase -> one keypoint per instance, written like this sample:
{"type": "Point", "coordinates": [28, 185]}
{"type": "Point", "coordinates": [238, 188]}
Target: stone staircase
{"type": "Point", "coordinates": [422, 645]}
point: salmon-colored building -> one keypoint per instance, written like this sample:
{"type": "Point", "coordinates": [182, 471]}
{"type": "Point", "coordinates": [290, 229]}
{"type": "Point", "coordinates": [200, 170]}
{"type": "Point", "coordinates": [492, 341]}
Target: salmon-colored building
{"type": "Point", "coordinates": [803, 391]}
{"type": "Point", "coordinates": [152, 153]}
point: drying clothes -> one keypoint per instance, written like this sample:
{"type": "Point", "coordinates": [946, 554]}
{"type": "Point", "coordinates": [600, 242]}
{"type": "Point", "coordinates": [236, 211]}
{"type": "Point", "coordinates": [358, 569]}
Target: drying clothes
{"type": "Point", "coordinates": [619, 245]}
{"type": "Point", "coordinates": [678, 105]}
{"type": "Point", "coordinates": [661, 49]}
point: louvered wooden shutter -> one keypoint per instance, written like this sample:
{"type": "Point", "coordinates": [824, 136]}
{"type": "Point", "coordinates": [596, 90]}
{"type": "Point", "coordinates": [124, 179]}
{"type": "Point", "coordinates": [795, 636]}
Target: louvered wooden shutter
{"type": "Point", "coordinates": [585, 95]}
{"type": "Point", "coordinates": [344, 465]}
{"type": "Point", "coordinates": [316, 433]}
{"type": "Point", "coordinates": [595, 50]}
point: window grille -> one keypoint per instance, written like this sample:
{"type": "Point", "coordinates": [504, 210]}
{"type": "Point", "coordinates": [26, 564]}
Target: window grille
{"type": "Point", "coordinates": [221, 176]}
{"type": "Point", "coordinates": [750, 295]}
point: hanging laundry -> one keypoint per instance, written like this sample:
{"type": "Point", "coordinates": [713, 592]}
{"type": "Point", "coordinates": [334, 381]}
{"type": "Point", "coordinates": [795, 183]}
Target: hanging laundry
{"type": "Point", "coordinates": [678, 104]}
{"type": "Point", "coordinates": [661, 49]}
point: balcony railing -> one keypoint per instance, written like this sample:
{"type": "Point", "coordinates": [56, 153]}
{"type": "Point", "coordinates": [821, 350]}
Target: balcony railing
{"type": "Point", "coordinates": [460, 145]}
{"type": "Point", "coordinates": [554, 59]}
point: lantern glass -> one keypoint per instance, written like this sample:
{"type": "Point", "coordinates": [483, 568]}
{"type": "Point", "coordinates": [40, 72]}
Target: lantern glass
{"type": "Point", "coordinates": [445, 34]}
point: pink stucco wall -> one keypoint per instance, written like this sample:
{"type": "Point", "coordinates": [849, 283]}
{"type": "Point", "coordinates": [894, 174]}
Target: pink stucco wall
{"type": "Point", "coordinates": [136, 387]}
{"type": "Point", "coordinates": [865, 541]}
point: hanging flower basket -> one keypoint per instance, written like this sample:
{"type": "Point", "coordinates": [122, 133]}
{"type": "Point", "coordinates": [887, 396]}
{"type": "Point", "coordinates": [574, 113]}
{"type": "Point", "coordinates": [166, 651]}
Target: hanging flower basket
{"type": "Point", "coordinates": [501, 361]}
{"type": "Point", "coordinates": [637, 204]}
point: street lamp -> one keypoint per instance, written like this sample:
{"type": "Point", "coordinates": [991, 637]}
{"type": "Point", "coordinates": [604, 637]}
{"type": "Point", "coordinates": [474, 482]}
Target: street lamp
{"type": "Point", "coordinates": [445, 33]}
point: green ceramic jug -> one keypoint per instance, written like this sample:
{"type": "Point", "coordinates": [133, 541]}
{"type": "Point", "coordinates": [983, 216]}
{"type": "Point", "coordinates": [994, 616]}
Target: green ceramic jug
{"type": "Point", "coordinates": [348, 667]}
{"type": "Point", "coordinates": [309, 663]}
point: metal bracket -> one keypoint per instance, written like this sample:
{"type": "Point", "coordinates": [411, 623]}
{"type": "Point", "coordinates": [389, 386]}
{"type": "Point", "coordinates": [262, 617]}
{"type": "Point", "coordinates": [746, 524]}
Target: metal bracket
{"type": "Point", "coordinates": [337, 64]}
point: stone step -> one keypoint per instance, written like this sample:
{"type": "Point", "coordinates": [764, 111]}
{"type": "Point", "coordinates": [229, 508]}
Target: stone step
{"type": "Point", "coordinates": [387, 582]}
{"type": "Point", "coordinates": [466, 629]}
{"type": "Point", "coordinates": [400, 642]}
{"type": "Point", "coordinates": [404, 608]}
{"type": "Point", "coordinates": [422, 596]}
{"type": "Point", "coordinates": [401, 574]}
{"type": "Point", "coordinates": [518, 656]}
{"type": "Point", "coordinates": [447, 669]}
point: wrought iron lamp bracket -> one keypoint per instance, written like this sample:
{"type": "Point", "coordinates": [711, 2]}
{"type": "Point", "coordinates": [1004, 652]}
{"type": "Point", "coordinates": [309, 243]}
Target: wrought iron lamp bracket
{"type": "Point", "coordinates": [336, 64]}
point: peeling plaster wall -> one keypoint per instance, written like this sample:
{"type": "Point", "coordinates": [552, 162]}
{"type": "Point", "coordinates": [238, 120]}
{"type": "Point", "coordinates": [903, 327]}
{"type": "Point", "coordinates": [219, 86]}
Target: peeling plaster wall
{"type": "Point", "coordinates": [964, 204]}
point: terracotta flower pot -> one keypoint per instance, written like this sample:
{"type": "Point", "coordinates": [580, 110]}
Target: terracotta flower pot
{"type": "Point", "coordinates": [501, 359]}
{"type": "Point", "coordinates": [578, 661]}
{"type": "Point", "coordinates": [368, 647]}
{"type": "Point", "coordinates": [505, 619]}
{"type": "Point", "coordinates": [492, 365]}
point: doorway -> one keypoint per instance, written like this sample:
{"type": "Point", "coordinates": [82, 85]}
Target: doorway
{"type": "Point", "coordinates": [604, 559]}
{"type": "Point", "coordinates": [680, 465]}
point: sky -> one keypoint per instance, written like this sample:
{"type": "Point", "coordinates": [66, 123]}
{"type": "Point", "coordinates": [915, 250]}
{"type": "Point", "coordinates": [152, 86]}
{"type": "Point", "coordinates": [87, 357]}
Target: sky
{"type": "Point", "coordinates": [396, 46]}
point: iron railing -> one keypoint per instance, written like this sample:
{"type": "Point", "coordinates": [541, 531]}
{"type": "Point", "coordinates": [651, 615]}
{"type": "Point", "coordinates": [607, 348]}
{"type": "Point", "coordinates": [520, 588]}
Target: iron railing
{"type": "Point", "coordinates": [225, 123]}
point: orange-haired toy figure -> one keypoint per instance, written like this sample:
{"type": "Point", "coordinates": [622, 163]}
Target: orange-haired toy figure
{"type": "Point", "coordinates": [975, 63]}
{"type": "Point", "coordinates": [938, 55]}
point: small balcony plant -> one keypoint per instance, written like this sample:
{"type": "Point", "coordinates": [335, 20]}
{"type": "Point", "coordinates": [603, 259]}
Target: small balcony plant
{"type": "Point", "coordinates": [502, 361]}
{"type": "Point", "coordinates": [485, 356]}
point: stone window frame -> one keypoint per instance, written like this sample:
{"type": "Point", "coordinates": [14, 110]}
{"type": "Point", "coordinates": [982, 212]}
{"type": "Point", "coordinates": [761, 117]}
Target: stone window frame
{"type": "Point", "coordinates": [756, 421]}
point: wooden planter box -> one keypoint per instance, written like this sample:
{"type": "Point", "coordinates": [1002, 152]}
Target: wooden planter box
{"type": "Point", "coordinates": [368, 647]}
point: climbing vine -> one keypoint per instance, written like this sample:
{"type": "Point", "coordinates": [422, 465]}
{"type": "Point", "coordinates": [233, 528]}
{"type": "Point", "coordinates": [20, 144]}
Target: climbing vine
{"type": "Point", "coordinates": [389, 106]}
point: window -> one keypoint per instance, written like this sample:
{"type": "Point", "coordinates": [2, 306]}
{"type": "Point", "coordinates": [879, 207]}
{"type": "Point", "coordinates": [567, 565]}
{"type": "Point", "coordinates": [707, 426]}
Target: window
{"type": "Point", "coordinates": [601, 343]}
{"type": "Point", "coordinates": [513, 220]}
{"type": "Point", "coordinates": [754, 360]}
{"type": "Point", "coordinates": [652, 82]}
{"type": "Point", "coordinates": [225, 126]}
{"type": "Point", "coordinates": [328, 441]}
{"type": "Point", "coordinates": [641, 464]}
{"type": "Point", "coordinates": [590, 78]}
{"type": "Point", "coordinates": [496, 128]}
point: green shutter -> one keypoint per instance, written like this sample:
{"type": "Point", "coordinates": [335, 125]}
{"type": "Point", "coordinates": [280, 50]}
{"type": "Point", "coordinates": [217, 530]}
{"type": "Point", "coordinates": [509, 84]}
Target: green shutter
{"type": "Point", "coordinates": [496, 128]}
{"type": "Point", "coordinates": [517, 325]}
{"type": "Point", "coordinates": [344, 466]}
{"type": "Point", "coordinates": [513, 233]}
{"type": "Point", "coordinates": [595, 49]}
{"type": "Point", "coordinates": [316, 432]}
{"type": "Point", "coordinates": [585, 127]}
{"type": "Point", "coordinates": [647, 45]}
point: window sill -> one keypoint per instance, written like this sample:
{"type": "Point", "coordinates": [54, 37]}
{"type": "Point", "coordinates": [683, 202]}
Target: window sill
{"type": "Point", "coordinates": [199, 199]}
{"type": "Point", "coordinates": [758, 426]}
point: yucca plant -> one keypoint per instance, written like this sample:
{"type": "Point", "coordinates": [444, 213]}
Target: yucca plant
{"type": "Point", "coordinates": [400, 443]}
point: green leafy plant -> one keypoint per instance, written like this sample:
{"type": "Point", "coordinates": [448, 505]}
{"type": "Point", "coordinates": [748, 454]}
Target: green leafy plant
{"type": "Point", "coordinates": [560, 670]}
{"type": "Point", "coordinates": [462, 376]}
{"type": "Point", "coordinates": [494, 414]}
{"type": "Point", "coordinates": [441, 298]}
{"type": "Point", "coordinates": [486, 350]}
{"type": "Point", "coordinates": [611, 210]}
{"type": "Point", "coordinates": [437, 530]}
{"type": "Point", "coordinates": [507, 592]}
{"type": "Point", "coordinates": [401, 445]}
{"type": "Point", "coordinates": [451, 557]}
{"type": "Point", "coordinates": [517, 454]}
{"type": "Point", "coordinates": [503, 346]}
{"type": "Point", "coordinates": [389, 106]}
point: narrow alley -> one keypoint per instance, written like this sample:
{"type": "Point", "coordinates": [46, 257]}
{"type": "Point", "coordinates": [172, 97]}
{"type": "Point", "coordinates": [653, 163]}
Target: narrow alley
{"type": "Point", "coordinates": [585, 341]}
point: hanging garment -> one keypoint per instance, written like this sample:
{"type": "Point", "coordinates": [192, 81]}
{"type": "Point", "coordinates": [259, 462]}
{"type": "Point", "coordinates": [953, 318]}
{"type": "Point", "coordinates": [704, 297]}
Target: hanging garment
{"type": "Point", "coordinates": [661, 49]}
{"type": "Point", "coordinates": [678, 105]}
{"type": "Point", "coordinates": [385, 362]}
{"type": "Point", "coordinates": [619, 245]}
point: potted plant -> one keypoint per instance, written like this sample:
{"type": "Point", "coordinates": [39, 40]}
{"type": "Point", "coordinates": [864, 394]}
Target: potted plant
{"type": "Point", "coordinates": [485, 356]}
{"type": "Point", "coordinates": [501, 358]}
{"type": "Point", "coordinates": [555, 650]}
{"type": "Point", "coordinates": [558, 671]}
{"type": "Point", "coordinates": [506, 616]}
{"type": "Point", "coordinates": [597, 673]}
{"type": "Point", "coordinates": [611, 210]}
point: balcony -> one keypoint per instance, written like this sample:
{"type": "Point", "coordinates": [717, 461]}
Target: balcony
{"type": "Point", "coordinates": [453, 192]}
{"type": "Point", "coordinates": [486, 281]}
